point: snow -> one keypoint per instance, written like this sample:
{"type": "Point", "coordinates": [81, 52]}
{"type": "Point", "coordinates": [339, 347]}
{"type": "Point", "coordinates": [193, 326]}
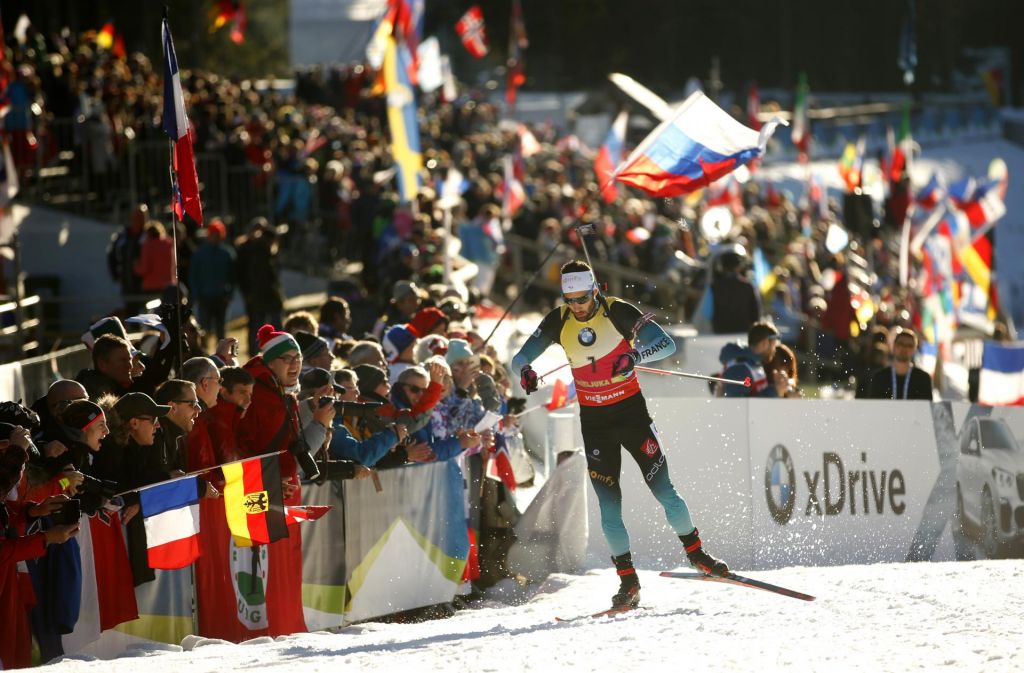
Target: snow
{"type": "Point", "coordinates": [896, 617]}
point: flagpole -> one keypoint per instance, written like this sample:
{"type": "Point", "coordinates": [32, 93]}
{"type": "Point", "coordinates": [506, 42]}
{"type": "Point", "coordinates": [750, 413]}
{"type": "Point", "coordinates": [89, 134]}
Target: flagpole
{"type": "Point", "coordinates": [196, 473]}
{"type": "Point", "coordinates": [174, 262]}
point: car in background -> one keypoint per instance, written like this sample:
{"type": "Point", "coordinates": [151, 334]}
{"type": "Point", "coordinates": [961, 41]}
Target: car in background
{"type": "Point", "coordinates": [990, 485]}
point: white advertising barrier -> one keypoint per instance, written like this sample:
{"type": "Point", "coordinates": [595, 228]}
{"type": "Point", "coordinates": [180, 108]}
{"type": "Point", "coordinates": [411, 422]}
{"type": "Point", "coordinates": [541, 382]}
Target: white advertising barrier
{"type": "Point", "coordinates": [705, 444]}
{"type": "Point", "coordinates": [835, 482]}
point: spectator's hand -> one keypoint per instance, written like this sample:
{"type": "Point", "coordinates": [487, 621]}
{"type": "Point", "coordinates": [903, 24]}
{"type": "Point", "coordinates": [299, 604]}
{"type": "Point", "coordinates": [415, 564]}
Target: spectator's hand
{"type": "Point", "coordinates": [289, 487]}
{"type": "Point", "coordinates": [781, 382]}
{"type": "Point", "coordinates": [54, 449]}
{"type": "Point", "coordinates": [487, 437]}
{"type": "Point", "coordinates": [20, 437]}
{"type": "Point", "coordinates": [401, 431]}
{"type": "Point", "coordinates": [324, 415]}
{"type": "Point", "coordinates": [437, 372]}
{"type": "Point", "coordinates": [74, 479]}
{"type": "Point", "coordinates": [528, 379]}
{"type": "Point", "coordinates": [363, 472]}
{"type": "Point", "coordinates": [419, 453]}
{"type": "Point", "coordinates": [468, 375]}
{"type": "Point", "coordinates": [174, 474]}
{"type": "Point", "coordinates": [48, 506]}
{"type": "Point", "coordinates": [61, 534]}
{"type": "Point", "coordinates": [468, 439]}
{"type": "Point", "coordinates": [211, 491]}
{"type": "Point", "coordinates": [227, 349]}
{"type": "Point", "coordinates": [129, 512]}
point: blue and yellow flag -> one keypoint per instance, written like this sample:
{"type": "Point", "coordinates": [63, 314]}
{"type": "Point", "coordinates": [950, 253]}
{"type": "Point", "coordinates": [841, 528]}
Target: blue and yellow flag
{"type": "Point", "coordinates": [405, 132]}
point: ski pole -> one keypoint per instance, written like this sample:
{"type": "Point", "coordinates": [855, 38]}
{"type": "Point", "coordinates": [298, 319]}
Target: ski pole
{"type": "Point", "coordinates": [540, 267]}
{"type": "Point", "coordinates": [664, 372]}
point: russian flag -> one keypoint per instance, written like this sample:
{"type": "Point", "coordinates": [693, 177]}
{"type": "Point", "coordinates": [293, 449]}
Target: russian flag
{"type": "Point", "coordinates": [697, 145]}
{"type": "Point", "coordinates": [499, 468]}
{"type": "Point", "coordinates": [176, 126]}
{"type": "Point", "coordinates": [609, 156]}
{"type": "Point", "coordinates": [1002, 375]}
{"type": "Point", "coordinates": [171, 514]}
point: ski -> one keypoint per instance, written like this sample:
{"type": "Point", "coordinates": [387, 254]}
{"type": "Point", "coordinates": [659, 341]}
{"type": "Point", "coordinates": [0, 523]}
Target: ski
{"type": "Point", "coordinates": [739, 580]}
{"type": "Point", "coordinates": [603, 613]}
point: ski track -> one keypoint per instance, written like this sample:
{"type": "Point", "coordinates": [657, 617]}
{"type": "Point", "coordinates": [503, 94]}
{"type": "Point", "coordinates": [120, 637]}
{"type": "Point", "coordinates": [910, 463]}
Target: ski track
{"type": "Point", "coordinates": [890, 617]}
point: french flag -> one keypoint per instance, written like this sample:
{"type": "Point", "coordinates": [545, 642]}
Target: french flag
{"type": "Point", "coordinates": [932, 193]}
{"type": "Point", "coordinates": [176, 126]}
{"type": "Point", "coordinates": [1002, 375]}
{"type": "Point", "coordinates": [171, 514]}
{"type": "Point", "coordinates": [694, 147]}
{"type": "Point", "coordinates": [609, 156]}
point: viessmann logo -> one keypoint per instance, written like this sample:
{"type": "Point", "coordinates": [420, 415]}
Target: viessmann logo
{"type": "Point", "coordinates": [833, 490]}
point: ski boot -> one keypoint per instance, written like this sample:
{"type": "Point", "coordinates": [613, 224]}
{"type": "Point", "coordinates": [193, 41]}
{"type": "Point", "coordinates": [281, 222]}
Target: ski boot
{"type": "Point", "coordinates": [700, 559]}
{"type": "Point", "coordinates": [629, 584]}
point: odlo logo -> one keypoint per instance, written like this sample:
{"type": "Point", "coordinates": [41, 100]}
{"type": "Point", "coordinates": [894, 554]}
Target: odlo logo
{"type": "Point", "coordinates": [780, 484]}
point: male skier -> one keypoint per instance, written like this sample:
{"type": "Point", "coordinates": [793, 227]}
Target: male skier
{"type": "Point", "coordinates": [604, 338]}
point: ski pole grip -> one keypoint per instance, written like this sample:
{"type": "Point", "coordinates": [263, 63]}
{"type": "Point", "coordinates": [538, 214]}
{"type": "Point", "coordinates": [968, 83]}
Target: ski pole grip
{"type": "Point", "coordinates": [746, 382]}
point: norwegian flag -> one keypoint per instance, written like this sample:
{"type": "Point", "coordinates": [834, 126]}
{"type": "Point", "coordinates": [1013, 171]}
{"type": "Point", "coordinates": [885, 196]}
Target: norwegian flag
{"type": "Point", "coordinates": [500, 466]}
{"type": "Point", "coordinates": [303, 513]}
{"type": "Point", "coordinates": [176, 125]}
{"type": "Point", "coordinates": [471, 29]}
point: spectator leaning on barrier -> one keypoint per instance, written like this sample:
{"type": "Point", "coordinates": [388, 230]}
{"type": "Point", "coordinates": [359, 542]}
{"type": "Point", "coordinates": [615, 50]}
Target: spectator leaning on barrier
{"type": "Point", "coordinates": [901, 380]}
{"type": "Point", "coordinates": [741, 362]}
{"type": "Point", "coordinates": [112, 368]}
{"type": "Point", "coordinates": [272, 424]}
{"type": "Point", "coordinates": [235, 398]}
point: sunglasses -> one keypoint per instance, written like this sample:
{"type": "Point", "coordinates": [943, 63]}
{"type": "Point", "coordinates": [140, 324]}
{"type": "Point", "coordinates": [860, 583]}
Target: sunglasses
{"type": "Point", "coordinates": [414, 388]}
{"type": "Point", "coordinates": [194, 403]}
{"type": "Point", "coordinates": [578, 300]}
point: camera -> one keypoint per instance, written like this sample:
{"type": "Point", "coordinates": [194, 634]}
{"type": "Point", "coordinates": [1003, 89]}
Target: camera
{"type": "Point", "coordinates": [336, 469]}
{"type": "Point", "coordinates": [104, 488]}
{"type": "Point", "coordinates": [356, 409]}
{"type": "Point", "coordinates": [69, 513]}
{"type": "Point", "coordinates": [298, 448]}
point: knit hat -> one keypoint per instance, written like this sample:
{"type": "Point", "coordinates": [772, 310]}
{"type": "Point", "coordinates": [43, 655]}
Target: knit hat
{"type": "Point", "coordinates": [109, 325]}
{"type": "Point", "coordinates": [81, 414]}
{"type": "Point", "coordinates": [274, 344]}
{"type": "Point", "coordinates": [310, 344]}
{"type": "Point", "coordinates": [427, 319]}
{"type": "Point", "coordinates": [458, 349]}
{"type": "Point", "coordinates": [369, 378]}
{"type": "Point", "coordinates": [397, 339]}
{"type": "Point", "coordinates": [317, 378]}
{"type": "Point", "coordinates": [432, 344]}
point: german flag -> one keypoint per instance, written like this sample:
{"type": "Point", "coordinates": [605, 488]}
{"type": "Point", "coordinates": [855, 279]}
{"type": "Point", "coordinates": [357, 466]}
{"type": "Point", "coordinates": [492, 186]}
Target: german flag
{"type": "Point", "coordinates": [253, 502]}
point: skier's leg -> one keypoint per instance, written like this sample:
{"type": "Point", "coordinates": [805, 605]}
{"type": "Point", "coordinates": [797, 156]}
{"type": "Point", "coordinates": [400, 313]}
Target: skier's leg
{"type": "Point", "coordinates": [640, 438]}
{"type": "Point", "coordinates": [604, 464]}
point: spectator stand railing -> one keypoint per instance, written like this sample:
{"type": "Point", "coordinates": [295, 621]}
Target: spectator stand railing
{"type": "Point", "coordinates": [20, 325]}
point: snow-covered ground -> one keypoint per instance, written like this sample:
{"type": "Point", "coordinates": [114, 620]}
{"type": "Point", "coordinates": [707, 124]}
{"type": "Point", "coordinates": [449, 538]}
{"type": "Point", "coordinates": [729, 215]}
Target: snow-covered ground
{"type": "Point", "coordinates": [903, 617]}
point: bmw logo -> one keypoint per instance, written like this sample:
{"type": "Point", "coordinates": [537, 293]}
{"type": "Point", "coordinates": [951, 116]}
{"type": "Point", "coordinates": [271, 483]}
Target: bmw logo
{"type": "Point", "coordinates": [587, 336]}
{"type": "Point", "coordinates": [780, 484]}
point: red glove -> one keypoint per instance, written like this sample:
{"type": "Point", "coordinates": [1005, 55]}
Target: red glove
{"type": "Point", "coordinates": [528, 379]}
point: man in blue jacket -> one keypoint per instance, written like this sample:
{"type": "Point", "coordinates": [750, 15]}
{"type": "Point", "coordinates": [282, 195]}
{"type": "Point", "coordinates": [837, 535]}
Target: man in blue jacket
{"type": "Point", "coordinates": [741, 362]}
{"type": "Point", "coordinates": [212, 278]}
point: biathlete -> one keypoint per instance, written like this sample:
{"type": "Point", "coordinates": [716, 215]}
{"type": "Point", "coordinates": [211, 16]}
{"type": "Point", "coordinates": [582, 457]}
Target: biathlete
{"type": "Point", "coordinates": [604, 338]}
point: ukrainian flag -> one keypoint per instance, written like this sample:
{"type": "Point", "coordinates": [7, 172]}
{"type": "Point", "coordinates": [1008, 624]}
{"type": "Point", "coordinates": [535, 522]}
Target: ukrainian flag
{"type": "Point", "coordinates": [405, 132]}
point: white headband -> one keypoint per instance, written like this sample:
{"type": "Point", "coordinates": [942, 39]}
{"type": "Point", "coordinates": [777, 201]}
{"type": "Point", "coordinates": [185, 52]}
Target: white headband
{"type": "Point", "coordinates": [578, 281]}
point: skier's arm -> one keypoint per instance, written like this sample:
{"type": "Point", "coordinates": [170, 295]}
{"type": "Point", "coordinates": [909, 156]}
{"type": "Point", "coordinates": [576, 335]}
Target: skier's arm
{"type": "Point", "coordinates": [538, 341]}
{"type": "Point", "coordinates": [653, 343]}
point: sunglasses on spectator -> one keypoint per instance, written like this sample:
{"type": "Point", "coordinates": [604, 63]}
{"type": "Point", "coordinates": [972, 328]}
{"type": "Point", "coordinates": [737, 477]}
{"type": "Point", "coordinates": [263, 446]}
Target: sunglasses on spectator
{"type": "Point", "coordinates": [414, 388]}
{"type": "Point", "coordinates": [194, 403]}
{"type": "Point", "coordinates": [578, 300]}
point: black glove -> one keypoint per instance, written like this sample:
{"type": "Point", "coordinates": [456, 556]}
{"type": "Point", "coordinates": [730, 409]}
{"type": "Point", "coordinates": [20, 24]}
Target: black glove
{"type": "Point", "coordinates": [624, 363]}
{"type": "Point", "coordinates": [528, 379]}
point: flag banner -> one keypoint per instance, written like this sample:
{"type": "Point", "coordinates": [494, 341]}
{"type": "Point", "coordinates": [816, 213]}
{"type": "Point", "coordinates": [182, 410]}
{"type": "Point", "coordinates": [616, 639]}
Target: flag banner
{"type": "Point", "coordinates": [472, 31]}
{"type": "Point", "coordinates": [253, 501]}
{"type": "Point", "coordinates": [932, 193]}
{"type": "Point", "coordinates": [696, 146]}
{"type": "Point", "coordinates": [562, 395]}
{"type": "Point", "coordinates": [517, 42]}
{"type": "Point", "coordinates": [609, 156]}
{"type": "Point", "coordinates": [851, 164]}
{"type": "Point", "coordinates": [176, 125]}
{"type": "Point", "coordinates": [499, 467]}
{"type": "Point", "coordinates": [1002, 375]}
{"type": "Point", "coordinates": [801, 133]}
{"type": "Point", "coordinates": [303, 513]}
{"type": "Point", "coordinates": [753, 107]}
{"type": "Point", "coordinates": [513, 195]}
{"type": "Point", "coordinates": [171, 512]}
{"type": "Point", "coordinates": [405, 130]}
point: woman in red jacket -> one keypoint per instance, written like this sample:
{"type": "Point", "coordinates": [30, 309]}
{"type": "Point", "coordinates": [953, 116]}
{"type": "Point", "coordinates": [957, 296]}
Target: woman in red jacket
{"type": "Point", "coordinates": [156, 259]}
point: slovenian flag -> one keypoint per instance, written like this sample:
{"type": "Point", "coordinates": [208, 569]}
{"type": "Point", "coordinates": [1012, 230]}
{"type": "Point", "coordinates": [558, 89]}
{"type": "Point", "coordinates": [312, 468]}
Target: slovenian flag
{"type": "Point", "coordinates": [1002, 375]}
{"type": "Point", "coordinates": [694, 147]}
{"type": "Point", "coordinates": [176, 125]}
{"type": "Point", "coordinates": [609, 156]}
{"type": "Point", "coordinates": [171, 514]}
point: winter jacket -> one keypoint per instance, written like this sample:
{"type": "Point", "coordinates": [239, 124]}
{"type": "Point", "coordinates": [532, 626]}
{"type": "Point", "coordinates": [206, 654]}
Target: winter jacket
{"type": "Point", "coordinates": [739, 363]}
{"type": "Point", "coordinates": [270, 410]}
{"type": "Point", "coordinates": [366, 452]}
{"type": "Point", "coordinates": [156, 264]}
{"type": "Point", "coordinates": [212, 272]}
